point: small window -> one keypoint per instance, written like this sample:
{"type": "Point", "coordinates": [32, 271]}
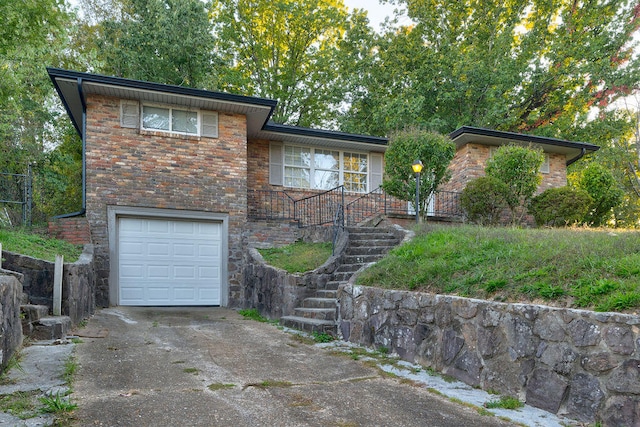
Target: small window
{"type": "Point", "coordinates": [170, 120]}
{"type": "Point", "coordinates": [545, 164]}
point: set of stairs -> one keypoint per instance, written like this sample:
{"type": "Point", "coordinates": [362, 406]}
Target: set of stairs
{"type": "Point", "coordinates": [37, 325]}
{"type": "Point", "coordinates": [319, 313]}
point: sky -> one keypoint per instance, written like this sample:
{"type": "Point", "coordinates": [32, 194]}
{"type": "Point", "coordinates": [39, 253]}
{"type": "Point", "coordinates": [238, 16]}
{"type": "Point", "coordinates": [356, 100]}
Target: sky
{"type": "Point", "coordinates": [377, 12]}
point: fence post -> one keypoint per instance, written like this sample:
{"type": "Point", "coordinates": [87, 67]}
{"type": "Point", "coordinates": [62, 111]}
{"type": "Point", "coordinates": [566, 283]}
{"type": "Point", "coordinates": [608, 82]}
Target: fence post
{"type": "Point", "coordinates": [57, 286]}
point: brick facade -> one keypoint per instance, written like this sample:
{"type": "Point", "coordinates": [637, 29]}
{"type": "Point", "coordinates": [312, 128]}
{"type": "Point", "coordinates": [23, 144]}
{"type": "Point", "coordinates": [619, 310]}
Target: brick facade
{"type": "Point", "coordinates": [128, 167]}
{"type": "Point", "coordinates": [470, 160]}
{"type": "Point", "coordinates": [73, 230]}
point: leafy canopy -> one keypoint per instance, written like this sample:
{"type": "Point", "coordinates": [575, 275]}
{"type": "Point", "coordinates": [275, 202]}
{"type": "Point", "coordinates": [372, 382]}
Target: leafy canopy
{"type": "Point", "coordinates": [434, 150]}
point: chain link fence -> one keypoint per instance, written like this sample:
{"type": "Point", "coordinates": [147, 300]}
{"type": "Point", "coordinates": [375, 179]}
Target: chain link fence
{"type": "Point", "coordinates": [16, 199]}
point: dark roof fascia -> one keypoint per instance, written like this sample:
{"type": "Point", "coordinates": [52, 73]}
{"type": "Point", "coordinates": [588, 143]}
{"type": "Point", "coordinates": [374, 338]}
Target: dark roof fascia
{"type": "Point", "coordinates": [522, 138]}
{"type": "Point", "coordinates": [160, 87]}
{"type": "Point", "coordinates": [320, 133]}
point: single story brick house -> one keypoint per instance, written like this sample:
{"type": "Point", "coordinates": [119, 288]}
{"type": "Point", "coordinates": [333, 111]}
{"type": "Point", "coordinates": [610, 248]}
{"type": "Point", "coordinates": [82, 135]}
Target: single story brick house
{"type": "Point", "coordinates": [172, 177]}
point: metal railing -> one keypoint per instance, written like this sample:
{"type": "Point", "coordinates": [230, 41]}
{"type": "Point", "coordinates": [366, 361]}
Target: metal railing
{"type": "Point", "coordinates": [325, 207]}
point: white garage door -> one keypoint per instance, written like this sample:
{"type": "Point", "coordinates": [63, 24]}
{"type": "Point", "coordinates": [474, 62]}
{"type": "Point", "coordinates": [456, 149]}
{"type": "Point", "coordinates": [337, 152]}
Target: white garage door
{"type": "Point", "coordinates": [164, 262]}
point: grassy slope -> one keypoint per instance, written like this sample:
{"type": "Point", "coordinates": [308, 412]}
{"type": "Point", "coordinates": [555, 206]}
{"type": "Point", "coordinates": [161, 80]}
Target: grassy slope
{"type": "Point", "coordinates": [591, 269]}
{"type": "Point", "coordinates": [298, 257]}
{"type": "Point", "coordinates": [37, 246]}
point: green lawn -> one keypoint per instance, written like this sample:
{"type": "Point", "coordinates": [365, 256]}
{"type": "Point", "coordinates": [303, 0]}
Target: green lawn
{"type": "Point", "coordinates": [298, 257]}
{"type": "Point", "coordinates": [591, 269]}
{"type": "Point", "coordinates": [36, 246]}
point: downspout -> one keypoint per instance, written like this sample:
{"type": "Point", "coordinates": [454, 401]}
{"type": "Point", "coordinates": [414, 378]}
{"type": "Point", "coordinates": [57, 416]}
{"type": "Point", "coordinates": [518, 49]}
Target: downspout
{"type": "Point", "coordinates": [83, 209]}
{"type": "Point", "coordinates": [583, 151]}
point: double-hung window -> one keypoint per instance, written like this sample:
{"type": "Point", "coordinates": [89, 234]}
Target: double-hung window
{"type": "Point", "coordinates": [170, 120]}
{"type": "Point", "coordinates": [323, 169]}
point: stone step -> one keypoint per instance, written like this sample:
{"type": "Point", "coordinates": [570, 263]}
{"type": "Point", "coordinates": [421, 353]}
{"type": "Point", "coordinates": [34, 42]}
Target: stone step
{"type": "Point", "coordinates": [48, 328]}
{"type": "Point", "coordinates": [371, 236]}
{"type": "Point", "coordinates": [327, 293]}
{"type": "Point", "coordinates": [368, 230]}
{"type": "Point", "coordinates": [316, 313]}
{"type": "Point", "coordinates": [309, 325]}
{"type": "Point", "coordinates": [33, 312]}
{"type": "Point", "coordinates": [318, 302]}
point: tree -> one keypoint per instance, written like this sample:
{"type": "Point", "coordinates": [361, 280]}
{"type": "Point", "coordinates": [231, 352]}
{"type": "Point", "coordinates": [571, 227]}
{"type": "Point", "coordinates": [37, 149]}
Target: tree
{"type": "Point", "coordinates": [527, 66]}
{"type": "Point", "coordinates": [164, 41]}
{"type": "Point", "coordinates": [288, 51]}
{"type": "Point", "coordinates": [519, 168]}
{"type": "Point", "coordinates": [601, 185]}
{"type": "Point", "coordinates": [434, 150]}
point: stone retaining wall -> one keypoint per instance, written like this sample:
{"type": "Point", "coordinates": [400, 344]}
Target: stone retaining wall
{"type": "Point", "coordinates": [276, 293]}
{"type": "Point", "coordinates": [575, 363]}
{"type": "Point", "coordinates": [10, 326]}
{"type": "Point", "coordinates": [78, 282]}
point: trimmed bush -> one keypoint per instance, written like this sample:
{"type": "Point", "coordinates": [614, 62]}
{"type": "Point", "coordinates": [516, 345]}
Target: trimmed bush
{"type": "Point", "coordinates": [484, 200]}
{"type": "Point", "coordinates": [560, 207]}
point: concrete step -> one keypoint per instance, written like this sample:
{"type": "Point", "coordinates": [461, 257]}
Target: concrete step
{"type": "Point", "coordinates": [346, 268]}
{"type": "Point", "coordinates": [358, 237]}
{"type": "Point", "coordinates": [309, 325]}
{"type": "Point", "coordinates": [316, 313]}
{"type": "Point", "coordinates": [382, 243]}
{"type": "Point", "coordinates": [33, 312]}
{"type": "Point", "coordinates": [318, 302]}
{"type": "Point", "coordinates": [361, 259]}
{"type": "Point", "coordinates": [49, 328]}
{"type": "Point", "coordinates": [327, 293]}
{"type": "Point", "coordinates": [368, 250]}
{"type": "Point", "coordinates": [341, 276]}
{"type": "Point", "coordinates": [333, 285]}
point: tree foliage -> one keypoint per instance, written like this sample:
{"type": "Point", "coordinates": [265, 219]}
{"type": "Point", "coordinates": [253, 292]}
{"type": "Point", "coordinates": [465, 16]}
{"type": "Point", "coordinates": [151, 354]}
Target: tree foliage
{"type": "Point", "coordinates": [519, 169]}
{"type": "Point", "coordinates": [164, 41]}
{"type": "Point", "coordinates": [288, 51]}
{"type": "Point", "coordinates": [434, 150]}
{"type": "Point", "coordinates": [527, 66]}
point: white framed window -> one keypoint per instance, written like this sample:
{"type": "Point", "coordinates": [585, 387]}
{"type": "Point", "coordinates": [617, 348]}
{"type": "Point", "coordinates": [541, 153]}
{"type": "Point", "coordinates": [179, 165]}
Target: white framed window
{"type": "Point", "coordinates": [169, 119]}
{"type": "Point", "coordinates": [321, 169]}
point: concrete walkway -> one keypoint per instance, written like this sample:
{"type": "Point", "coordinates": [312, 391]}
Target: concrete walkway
{"type": "Point", "coordinates": [211, 367]}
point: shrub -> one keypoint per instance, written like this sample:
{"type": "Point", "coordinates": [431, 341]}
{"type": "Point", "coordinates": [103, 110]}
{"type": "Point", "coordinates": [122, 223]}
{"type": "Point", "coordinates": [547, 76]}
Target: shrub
{"type": "Point", "coordinates": [483, 200]}
{"type": "Point", "coordinates": [559, 207]}
{"type": "Point", "coordinates": [519, 169]}
{"type": "Point", "coordinates": [605, 192]}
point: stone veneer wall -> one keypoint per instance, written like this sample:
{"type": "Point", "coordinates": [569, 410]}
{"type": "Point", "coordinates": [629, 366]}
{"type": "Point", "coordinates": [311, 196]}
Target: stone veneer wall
{"type": "Point", "coordinates": [144, 169]}
{"type": "Point", "coordinates": [10, 326]}
{"type": "Point", "coordinates": [78, 282]}
{"type": "Point", "coordinates": [579, 364]}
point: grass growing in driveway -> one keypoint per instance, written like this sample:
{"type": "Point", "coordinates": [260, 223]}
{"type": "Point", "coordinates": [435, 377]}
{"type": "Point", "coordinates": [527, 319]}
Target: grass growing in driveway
{"type": "Point", "coordinates": [581, 268]}
{"type": "Point", "coordinates": [297, 257]}
{"type": "Point", "coordinates": [36, 246]}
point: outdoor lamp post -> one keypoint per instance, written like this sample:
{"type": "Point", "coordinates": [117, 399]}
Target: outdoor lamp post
{"type": "Point", "coordinates": [417, 168]}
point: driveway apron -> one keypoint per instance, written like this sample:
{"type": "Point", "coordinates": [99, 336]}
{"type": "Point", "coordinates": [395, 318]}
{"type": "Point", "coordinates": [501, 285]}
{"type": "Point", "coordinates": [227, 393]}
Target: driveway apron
{"type": "Point", "coordinates": [141, 366]}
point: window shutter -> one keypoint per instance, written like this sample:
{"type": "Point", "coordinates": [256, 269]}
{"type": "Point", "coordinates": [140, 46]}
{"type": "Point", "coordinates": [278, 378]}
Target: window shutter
{"type": "Point", "coordinates": [209, 124]}
{"type": "Point", "coordinates": [276, 164]}
{"type": "Point", "coordinates": [375, 177]}
{"type": "Point", "coordinates": [129, 114]}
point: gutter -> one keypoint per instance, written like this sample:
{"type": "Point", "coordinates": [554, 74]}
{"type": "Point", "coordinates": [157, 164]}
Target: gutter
{"type": "Point", "coordinates": [83, 209]}
{"type": "Point", "coordinates": [583, 151]}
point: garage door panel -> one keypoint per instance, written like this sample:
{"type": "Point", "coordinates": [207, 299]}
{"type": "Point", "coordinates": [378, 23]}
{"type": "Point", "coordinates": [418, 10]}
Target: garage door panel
{"type": "Point", "coordinates": [169, 262]}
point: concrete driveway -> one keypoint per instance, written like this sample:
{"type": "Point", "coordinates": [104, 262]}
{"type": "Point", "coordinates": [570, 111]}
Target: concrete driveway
{"type": "Point", "coordinates": [211, 367]}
